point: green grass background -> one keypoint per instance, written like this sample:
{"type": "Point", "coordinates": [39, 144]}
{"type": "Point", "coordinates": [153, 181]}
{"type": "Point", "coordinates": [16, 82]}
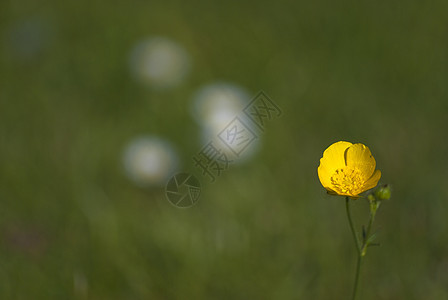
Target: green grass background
{"type": "Point", "coordinates": [73, 226]}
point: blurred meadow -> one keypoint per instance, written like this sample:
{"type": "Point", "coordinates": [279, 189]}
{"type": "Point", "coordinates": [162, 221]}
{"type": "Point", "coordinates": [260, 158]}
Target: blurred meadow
{"type": "Point", "coordinates": [100, 104]}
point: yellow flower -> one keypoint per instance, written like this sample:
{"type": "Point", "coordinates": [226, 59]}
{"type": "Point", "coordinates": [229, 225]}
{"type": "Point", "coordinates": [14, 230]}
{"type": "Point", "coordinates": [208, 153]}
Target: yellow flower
{"type": "Point", "coordinates": [348, 169]}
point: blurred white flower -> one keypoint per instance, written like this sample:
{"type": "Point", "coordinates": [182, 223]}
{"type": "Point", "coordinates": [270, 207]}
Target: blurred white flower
{"type": "Point", "coordinates": [149, 161]}
{"type": "Point", "coordinates": [217, 131]}
{"type": "Point", "coordinates": [218, 103]}
{"type": "Point", "coordinates": [159, 62]}
{"type": "Point", "coordinates": [214, 107]}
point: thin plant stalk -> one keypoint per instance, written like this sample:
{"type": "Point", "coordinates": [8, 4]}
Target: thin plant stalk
{"type": "Point", "coordinates": [361, 247]}
{"type": "Point", "coordinates": [358, 247]}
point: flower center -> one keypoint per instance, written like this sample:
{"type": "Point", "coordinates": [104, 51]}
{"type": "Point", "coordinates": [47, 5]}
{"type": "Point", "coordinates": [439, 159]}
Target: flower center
{"type": "Point", "coordinates": [348, 181]}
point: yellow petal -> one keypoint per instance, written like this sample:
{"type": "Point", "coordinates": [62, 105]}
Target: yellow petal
{"type": "Point", "coordinates": [373, 181]}
{"type": "Point", "coordinates": [333, 157]}
{"type": "Point", "coordinates": [324, 176]}
{"type": "Point", "coordinates": [359, 156]}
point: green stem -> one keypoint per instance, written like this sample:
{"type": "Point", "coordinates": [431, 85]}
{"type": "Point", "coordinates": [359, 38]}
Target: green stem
{"type": "Point", "coordinates": [369, 228]}
{"type": "Point", "coordinates": [358, 268]}
{"type": "Point", "coordinates": [358, 246]}
{"type": "Point", "coordinates": [349, 216]}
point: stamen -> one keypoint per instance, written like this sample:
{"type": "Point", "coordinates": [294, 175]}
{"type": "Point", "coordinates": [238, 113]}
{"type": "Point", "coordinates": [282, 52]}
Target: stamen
{"type": "Point", "coordinates": [349, 181]}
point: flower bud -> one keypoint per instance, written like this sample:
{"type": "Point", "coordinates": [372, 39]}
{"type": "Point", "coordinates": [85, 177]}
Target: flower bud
{"type": "Point", "coordinates": [383, 193]}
